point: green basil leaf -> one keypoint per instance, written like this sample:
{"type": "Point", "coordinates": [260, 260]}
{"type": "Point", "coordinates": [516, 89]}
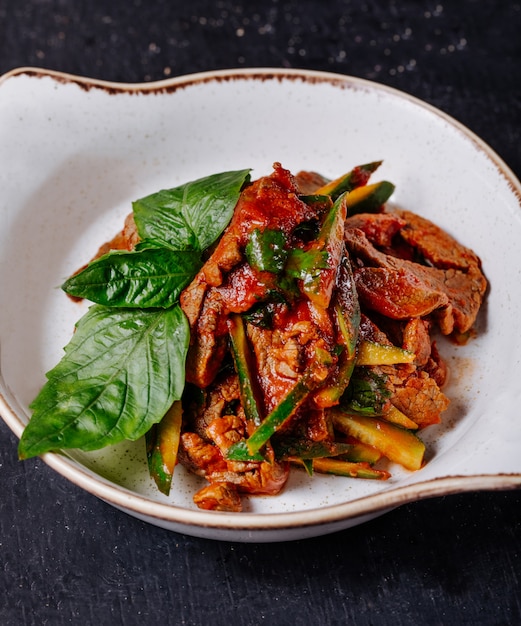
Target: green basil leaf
{"type": "Point", "coordinates": [119, 375]}
{"type": "Point", "coordinates": [150, 277]}
{"type": "Point", "coordinates": [192, 215]}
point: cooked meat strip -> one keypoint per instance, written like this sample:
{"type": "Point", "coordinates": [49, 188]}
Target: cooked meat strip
{"type": "Point", "coordinates": [209, 430]}
{"type": "Point", "coordinates": [289, 349]}
{"type": "Point", "coordinates": [434, 244]}
{"type": "Point", "coordinates": [309, 182]}
{"type": "Point", "coordinates": [417, 339]}
{"type": "Point", "coordinates": [397, 293]}
{"type": "Point", "coordinates": [459, 292]}
{"type": "Point", "coordinates": [379, 228]}
{"type": "Point", "coordinates": [219, 497]}
{"type": "Point", "coordinates": [420, 399]}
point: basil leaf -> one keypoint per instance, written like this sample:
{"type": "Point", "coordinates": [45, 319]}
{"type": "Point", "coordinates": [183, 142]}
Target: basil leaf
{"type": "Point", "coordinates": [150, 277]}
{"type": "Point", "coordinates": [120, 374]}
{"type": "Point", "coordinates": [192, 215]}
{"type": "Point", "coordinates": [367, 392]}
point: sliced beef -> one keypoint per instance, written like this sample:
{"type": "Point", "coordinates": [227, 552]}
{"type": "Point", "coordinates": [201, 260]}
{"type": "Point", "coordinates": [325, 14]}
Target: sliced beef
{"type": "Point", "coordinates": [379, 228]}
{"type": "Point", "coordinates": [434, 244]}
{"type": "Point", "coordinates": [219, 497]}
{"type": "Point", "coordinates": [455, 294]}
{"type": "Point", "coordinates": [421, 399]}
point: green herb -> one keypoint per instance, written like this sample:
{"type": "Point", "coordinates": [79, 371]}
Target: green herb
{"type": "Point", "coordinates": [152, 277]}
{"type": "Point", "coordinates": [193, 215]}
{"type": "Point", "coordinates": [125, 365]}
{"type": "Point", "coordinates": [121, 372]}
{"type": "Point", "coordinates": [367, 392]}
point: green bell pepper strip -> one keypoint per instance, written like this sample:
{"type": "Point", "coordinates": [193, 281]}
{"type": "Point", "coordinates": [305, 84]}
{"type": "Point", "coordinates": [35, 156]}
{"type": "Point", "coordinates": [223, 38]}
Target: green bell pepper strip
{"type": "Point", "coordinates": [265, 250]}
{"type": "Point", "coordinates": [346, 310]}
{"type": "Point", "coordinates": [292, 447]}
{"type": "Point", "coordinates": [369, 198]}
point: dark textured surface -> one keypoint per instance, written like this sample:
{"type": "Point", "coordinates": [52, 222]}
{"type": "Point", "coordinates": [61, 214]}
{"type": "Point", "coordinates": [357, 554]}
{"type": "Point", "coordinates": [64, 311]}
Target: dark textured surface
{"type": "Point", "coordinates": [68, 558]}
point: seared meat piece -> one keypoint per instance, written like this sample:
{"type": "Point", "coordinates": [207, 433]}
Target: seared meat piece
{"type": "Point", "coordinates": [397, 292]}
{"type": "Point", "coordinates": [436, 367]}
{"type": "Point", "coordinates": [420, 399]}
{"type": "Point", "coordinates": [379, 228]}
{"type": "Point", "coordinates": [416, 338]}
{"type": "Point", "coordinates": [210, 428]}
{"type": "Point", "coordinates": [219, 497]}
{"type": "Point", "coordinates": [410, 289]}
{"type": "Point", "coordinates": [205, 459]}
{"type": "Point", "coordinates": [124, 240]}
{"type": "Point", "coordinates": [301, 340]}
{"type": "Point", "coordinates": [309, 182]}
{"type": "Point", "coordinates": [435, 245]}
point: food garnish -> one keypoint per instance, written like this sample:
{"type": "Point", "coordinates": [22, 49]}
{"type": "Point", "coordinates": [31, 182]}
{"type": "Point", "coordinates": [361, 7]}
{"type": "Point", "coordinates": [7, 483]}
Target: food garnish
{"type": "Point", "coordinates": [243, 328]}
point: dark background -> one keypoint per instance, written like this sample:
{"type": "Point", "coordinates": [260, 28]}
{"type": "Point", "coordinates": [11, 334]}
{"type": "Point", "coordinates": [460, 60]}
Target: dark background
{"type": "Point", "coordinates": [68, 558]}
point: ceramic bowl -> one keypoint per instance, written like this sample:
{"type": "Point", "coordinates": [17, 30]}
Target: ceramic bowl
{"type": "Point", "coordinates": [74, 154]}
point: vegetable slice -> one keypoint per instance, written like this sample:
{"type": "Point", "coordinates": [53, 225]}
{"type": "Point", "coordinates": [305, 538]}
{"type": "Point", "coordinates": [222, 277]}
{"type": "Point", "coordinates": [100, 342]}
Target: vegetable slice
{"type": "Point", "coordinates": [346, 468]}
{"type": "Point", "coordinates": [280, 414]}
{"type": "Point", "coordinates": [357, 177]}
{"type": "Point", "coordinates": [319, 282]}
{"type": "Point", "coordinates": [371, 353]}
{"type": "Point", "coordinates": [369, 198]}
{"type": "Point", "coordinates": [397, 444]}
{"type": "Point", "coordinates": [346, 310]}
{"type": "Point", "coordinates": [243, 365]}
{"type": "Point", "coordinates": [265, 250]}
{"type": "Point", "coordinates": [162, 446]}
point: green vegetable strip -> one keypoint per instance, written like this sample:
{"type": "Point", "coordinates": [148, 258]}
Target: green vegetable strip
{"type": "Point", "coordinates": [245, 372]}
{"type": "Point", "coordinates": [350, 470]}
{"type": "Point", "coordinates": [280, 414]}
{"type": "Point", "coordinates": [162, 446]}
{"type": "Point", "coordinates": [369, 198]}
{"type": "Point", "coordinates": [319, 283]}
{"type": "Point", "coordinates": [357, 177]}
{"type": "Point", "coordinates": [396, 443]}
{"type": "Point", "coordinates": [346, 309]}
{"type": "Point", "coordinates": [265, 250]}
{"type": "Point", "coordinates": [306, 449]}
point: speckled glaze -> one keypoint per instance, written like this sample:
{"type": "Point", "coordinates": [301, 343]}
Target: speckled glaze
{"type": "Point", "coordinates": [74, 153]}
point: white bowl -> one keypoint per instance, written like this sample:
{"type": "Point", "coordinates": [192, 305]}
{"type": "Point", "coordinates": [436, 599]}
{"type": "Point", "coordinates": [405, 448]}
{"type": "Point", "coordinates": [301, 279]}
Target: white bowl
{"type": "Point", "coordinates": [74, 154]}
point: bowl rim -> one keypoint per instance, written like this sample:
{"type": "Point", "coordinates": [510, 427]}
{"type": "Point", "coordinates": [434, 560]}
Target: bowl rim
{"type": "Point", "coordinates": [369, 505]}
